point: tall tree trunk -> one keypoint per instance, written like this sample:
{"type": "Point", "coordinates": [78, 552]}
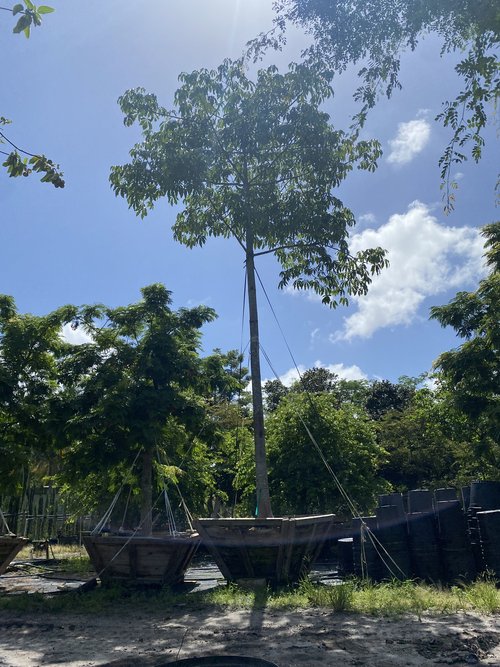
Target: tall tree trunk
{"type": "Point", "coordinates": [146, 493]}
{"type": "Point", "coordinates": [263, 499]}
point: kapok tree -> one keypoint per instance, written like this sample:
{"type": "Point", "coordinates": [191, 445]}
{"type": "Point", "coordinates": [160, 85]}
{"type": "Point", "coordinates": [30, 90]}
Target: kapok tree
{"type": "Point", "coordinates": [255, 159]}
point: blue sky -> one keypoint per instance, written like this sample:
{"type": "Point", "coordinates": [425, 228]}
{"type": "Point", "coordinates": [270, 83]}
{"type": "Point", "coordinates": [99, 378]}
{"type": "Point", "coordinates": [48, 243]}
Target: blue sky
{"type": "Point", "coordinates": [82, 245]}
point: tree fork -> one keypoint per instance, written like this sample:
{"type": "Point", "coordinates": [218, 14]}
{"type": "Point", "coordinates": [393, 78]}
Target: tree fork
{"type": "Point", "coordinates": [263, 498]}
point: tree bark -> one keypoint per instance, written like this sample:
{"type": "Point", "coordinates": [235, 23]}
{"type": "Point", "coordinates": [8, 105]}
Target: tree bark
{"type": "Point", "coordinates": [146, 493]}
{"type": "Point", "coordinates": [263, 508]}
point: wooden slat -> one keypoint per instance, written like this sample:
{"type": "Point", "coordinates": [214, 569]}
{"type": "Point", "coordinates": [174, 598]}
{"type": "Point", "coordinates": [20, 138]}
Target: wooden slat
{"type": "Point", "coordinates": [287, 545]}
{"type": "Point", "coordinates": [9, 548]}
{"type": "Point", "coordinates": [154, 561]}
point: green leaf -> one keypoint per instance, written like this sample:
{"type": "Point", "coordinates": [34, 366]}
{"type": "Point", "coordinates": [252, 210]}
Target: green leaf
{"type": "Point", "coordinates": [17, 8]}
{"type": "Point", "coordinates": [27, 32]}
{"type": "Point", "coordinates": [29, 4]}
{"type": "Point", "coordinates": [43, 9]}
{"type": "Point", "coordinates": [23, 23]}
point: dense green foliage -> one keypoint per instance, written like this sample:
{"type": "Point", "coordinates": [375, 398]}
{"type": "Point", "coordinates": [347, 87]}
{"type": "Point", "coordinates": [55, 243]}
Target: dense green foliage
{"type": "Point", "coordinates": [425, 447]}
{"type": "Point", "coordinates": [30, 406]}
{"type": "Point", "coordinates": [140, 367]}
{"type": "Point", "coordinates": [424, 439]}
{"type": "Point", "coordinates": [78, 415]}
{"type": "Point", "coordinates": [232, 465]}
{"type": "Point", "coordinates": [319, 380]}
{"type": "Point", "coordinates": [139, 385]}
{"type": "Point", "coordinates": [346, 436]}
{"type": "Point", "coordinates": [81, 413]}
{"type": "Point", "coordinates": [386, 397]}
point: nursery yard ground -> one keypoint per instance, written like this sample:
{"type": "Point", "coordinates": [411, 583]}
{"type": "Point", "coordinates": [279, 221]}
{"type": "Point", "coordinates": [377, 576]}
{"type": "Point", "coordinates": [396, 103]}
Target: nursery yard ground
{"type": "Point", "coordinates": [383, 627]}
{"type": "Point", "coordinates": [301, 637]}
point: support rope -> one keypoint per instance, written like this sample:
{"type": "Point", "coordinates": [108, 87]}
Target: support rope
{"type": "Point", "coordinates": [188, 514]}
{"type": "Point", "coordinates": [4, 521]}
{"type": "Point", "coordinates": [107, 514]}
{"type": "Point", "coordinates": [130, 537]}
{"type": "Point", "coordinates": [238, 439]}
{"type": "Point", "coordinates": [110, 509]}
{"type": "Point", "coordinates": [172, 528]}
{"type": "Point", "coordinates": [378, 546]}
{"type": "Point", "coordinates": [126, 508]}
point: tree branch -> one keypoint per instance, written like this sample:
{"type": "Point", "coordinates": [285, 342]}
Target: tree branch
{"type": "Point", "coordinates": [296, 245]}
{"type": "Point", "coordinates": [2, 135]}
{"type": "Point", "coordinates": [225, 222]}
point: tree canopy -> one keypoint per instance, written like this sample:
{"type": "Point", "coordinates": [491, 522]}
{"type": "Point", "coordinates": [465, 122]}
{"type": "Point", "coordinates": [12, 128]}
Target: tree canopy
{"type": "Point", "coordinates": [257, 161]}
{"type": "Point", "coordinates": [384, 396]}
{"type": "Point", "coordinates": [300, 481]}
{"type": "Point", "coordinates": [136, 385]}
{"type": "Point", "coordinates": [78, 415]}
{"type": "Point", "coordinates": [425, 442]}
{"type": "Point", "coordinates": [30, 419]}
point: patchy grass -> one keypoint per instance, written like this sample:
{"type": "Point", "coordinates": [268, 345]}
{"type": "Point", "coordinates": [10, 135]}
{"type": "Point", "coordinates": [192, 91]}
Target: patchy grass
{"type": "Point", "coordinates": [75, 565]}
{"type": "Point", "coordinates": [483, 595]}
{"type": "Point", "coordinates": [396, 598]}
{"type": "Point", "coordinates": [230, 596]}
{"type": "Point", "coordinates": [100, 600]}
{"type": "Point", "coordinates": [361, 597]}
{"type": "Point", "coordinates": [57, 551]}
{"type": "Point", "coordinates": [338, 598]}
{"type": "Point", "coordinates": [62, 558]}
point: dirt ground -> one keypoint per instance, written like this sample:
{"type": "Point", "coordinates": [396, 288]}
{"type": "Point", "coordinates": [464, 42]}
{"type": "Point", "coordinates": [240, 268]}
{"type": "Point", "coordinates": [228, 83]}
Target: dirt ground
{"type": "Point", "coordinates": [313, 637]}
{"type": "Point", "coordinates": [286, 638]}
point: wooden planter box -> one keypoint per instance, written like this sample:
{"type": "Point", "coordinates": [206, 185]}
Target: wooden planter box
{"type": "Point", "coordinates": [147, 561]}
{"type": "Point", "coordinates": [278, 550]}
{"type": "Point", "coordinates": [10, 546]}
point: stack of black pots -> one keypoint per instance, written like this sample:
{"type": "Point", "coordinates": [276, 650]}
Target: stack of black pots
{"type": "Point", "coordinates": [434, 537]}
{"type": "Point", "coordinates": [423, 536]}
{"type": "Point", "coordinates": [484, 524]}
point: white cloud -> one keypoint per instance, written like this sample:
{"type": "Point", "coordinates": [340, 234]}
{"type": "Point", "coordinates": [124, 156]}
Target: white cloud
{"type": "Point", "coordinates": [431, 383]}
{"type": "Point", "coordinates": [411, 139]}
{"type": "Point", "coordinates": [426, 259]}
{"type": "Point", "coordinates": [423, 113]}
{"type": "Point", "coordinates": [314, 334]}
{"type": "Point", "coordinates": [75, 336]}
{"type": "Point", "coordinates": [367, 218]}
{"type": "Point", "coordinates": [344, 372]}
{"type": "Point", "coordinates": [291, 375]}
